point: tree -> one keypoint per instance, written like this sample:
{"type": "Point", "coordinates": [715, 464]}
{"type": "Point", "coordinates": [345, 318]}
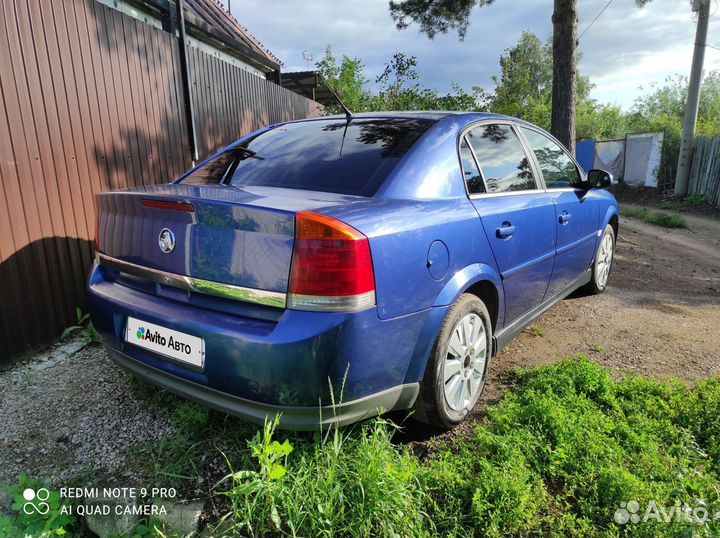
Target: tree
{"type": "Point", "coordinates": [564, 80]}
{"type": "Point", "coordinates": [525, 83]}
{"type": "Point", "coordinates": [347, 80]}
{"type": "Point", "coordinates": [524, 89]}
{"type": "Point", "coordinates": [440, 16]}
{"type": "Point", "coordinates": [399, 87]}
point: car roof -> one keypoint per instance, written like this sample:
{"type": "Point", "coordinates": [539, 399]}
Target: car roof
{"type": "Point", "coordinates": [436, 116]}
{"type": "Point", "coordinates": [419, 114]}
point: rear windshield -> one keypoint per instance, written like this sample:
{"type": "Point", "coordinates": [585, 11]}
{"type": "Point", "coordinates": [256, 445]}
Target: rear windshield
{"type": "Point", "coordinates": [323, 155]}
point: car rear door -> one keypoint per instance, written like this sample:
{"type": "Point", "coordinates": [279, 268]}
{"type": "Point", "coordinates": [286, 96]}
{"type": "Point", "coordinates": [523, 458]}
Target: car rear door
{"type": "Point", "coordinates": [576, 213]}
{"type": "Point", "coordinates": [517, 215]}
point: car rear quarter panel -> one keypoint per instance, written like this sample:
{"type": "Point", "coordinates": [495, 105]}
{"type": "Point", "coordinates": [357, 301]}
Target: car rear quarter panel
{"type": "Point", "coordinates": [405, 236]}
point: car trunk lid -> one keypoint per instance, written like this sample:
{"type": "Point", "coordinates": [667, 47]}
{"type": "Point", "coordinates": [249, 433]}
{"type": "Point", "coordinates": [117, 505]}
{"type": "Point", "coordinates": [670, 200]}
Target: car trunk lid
{"type": "Point", "coordinates": [210, 234]}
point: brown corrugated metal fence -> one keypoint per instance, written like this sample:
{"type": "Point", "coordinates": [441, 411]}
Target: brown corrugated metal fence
{"type": "Point", "coordinates": [229, 100]}
{"type": "Point", "coordinates": [91, 100]}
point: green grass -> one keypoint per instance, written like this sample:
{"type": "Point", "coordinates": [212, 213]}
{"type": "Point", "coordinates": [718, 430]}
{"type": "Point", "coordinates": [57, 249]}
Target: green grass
{"type": "Point", "coordinates": [656, 218]}
{"type": "Point", "coordinates": [536, 330]}
{"type": "Point", "coordinates": [188, 458]}
{"type": "Point", "coordinates": [695, 199]}
{"type": "Point", "coordinates": [555, 457]}
{"type": "Point", "coordinates": [345, 483]}
{"type": "Point", "coordinates": [670, 204]}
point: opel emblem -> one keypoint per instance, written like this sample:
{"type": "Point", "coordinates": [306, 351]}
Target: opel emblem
{"type": "Point", "coordinates": [166, 241]}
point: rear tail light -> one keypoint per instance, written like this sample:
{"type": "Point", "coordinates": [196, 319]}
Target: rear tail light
{"type": "Point", "coordinates": [331, 267]}
{"type": "Point", "coordinates": [170, 206]}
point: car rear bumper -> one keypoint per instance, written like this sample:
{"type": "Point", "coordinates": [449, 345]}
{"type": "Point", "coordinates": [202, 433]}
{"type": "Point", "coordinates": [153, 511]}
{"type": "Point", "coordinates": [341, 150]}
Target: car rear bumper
{"type": "Point", "coordinates": [293, 362]}
{"type": "Point", "coordinates": [291, 417]}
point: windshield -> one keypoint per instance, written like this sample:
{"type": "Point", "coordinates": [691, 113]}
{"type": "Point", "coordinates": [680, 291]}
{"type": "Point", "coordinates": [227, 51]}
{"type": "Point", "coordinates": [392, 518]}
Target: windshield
{"type": "Point", "coordinates": [324, 155]}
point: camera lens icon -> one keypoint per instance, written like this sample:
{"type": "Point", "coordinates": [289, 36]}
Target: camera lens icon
{"type": "Point", "coordinates": [35, 501]}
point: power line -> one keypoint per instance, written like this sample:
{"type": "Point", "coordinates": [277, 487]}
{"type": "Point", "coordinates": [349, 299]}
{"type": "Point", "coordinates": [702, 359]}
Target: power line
{"type": "Point", "coordinates": [595, 19]}
{"type": "Point", "coordinates": [712, 46]}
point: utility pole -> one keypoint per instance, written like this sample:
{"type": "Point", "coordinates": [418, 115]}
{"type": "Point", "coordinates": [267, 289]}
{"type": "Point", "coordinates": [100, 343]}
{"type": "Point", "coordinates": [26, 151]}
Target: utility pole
{"type": "Point", "coordinates": [693, 100]}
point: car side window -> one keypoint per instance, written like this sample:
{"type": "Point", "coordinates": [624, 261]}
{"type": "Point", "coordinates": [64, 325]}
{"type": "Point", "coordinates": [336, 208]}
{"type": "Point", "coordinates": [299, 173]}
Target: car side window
{"type": "Point", "coordinates": [502, 159]}
{"type": "Point", "coordinates": [471, 173]}
{"type": "Point", "coordinates": [558, 169]}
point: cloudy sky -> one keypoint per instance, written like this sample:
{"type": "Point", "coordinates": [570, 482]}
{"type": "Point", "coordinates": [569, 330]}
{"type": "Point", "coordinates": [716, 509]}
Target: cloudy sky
{"type": "Point", "coordinates": [626, 48]}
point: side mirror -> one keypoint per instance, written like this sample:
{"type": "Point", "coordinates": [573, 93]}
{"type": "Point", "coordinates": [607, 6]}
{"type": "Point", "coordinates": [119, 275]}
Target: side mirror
{"type": "Point", "coordinates": [600, 179]}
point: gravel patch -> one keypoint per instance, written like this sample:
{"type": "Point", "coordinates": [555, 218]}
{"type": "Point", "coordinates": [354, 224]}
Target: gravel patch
{"type": "Point", "coordinates": [70, 411]}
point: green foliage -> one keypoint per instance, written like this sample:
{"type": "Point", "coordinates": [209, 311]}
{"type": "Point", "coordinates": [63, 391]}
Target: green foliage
{"type": "Point", "coordinates": [347, 80]}
{"type": "Point", "coordinates": [153, 528]}
{"type": "Point", "coordinates": [536, 330]}
{"type": "Point", "coordinates": [655, 217]}
{"type": "Point", "coordinates": [349, 483]}
{"type": "Point", "coordinates": [400, 90]}
{"type": "Point", "coordinates": [83, 324]}
{"type": "Point", "coordinates": [599, 121]}
{"type": "Point", "coordinates": [180, 460]}
{"type": "Point", "coordinates": [35, 524]}
{"type": "Point", "coordinates": [555, 457]}
{"type": "Point", "coordinates": [695, 199]}
{"type": "Point", "coordinates": [524, 90]}
{"type": "Point", "coordinates": [524, 86]}
{"type": "Point", "coordinates": [559, 455]}
{"type": "Point", "coordinates": [399, 87]}
{"type": "Point", "coordinates": [669, 204]}
{"type": "Point", "coordinates": [435, 16]}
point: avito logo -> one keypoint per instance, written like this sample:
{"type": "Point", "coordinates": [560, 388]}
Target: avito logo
{"type": "Point", "coordinates": [156, 338]}
{"type": "Point", "coordinates": [152, 336]}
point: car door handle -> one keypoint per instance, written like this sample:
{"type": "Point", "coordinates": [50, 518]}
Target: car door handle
{"type": "Point", "coordinates": [505, 231]}
{"type": "Point", "coordinates": [565, 217]}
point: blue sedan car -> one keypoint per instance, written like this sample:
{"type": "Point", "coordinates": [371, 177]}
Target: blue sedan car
{"type": "Point", "coordinates": [331, 268]}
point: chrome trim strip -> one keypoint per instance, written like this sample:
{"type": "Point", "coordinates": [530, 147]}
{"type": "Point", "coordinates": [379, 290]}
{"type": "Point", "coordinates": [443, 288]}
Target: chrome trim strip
{"type": "Point", "coordinates": [481, 195]}
{"type": "Point", "coordinates": [551, 190]}
{"type": "Point", "coordinates": [199, 285]}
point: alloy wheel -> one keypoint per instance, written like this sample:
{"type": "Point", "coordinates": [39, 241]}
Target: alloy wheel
{"type": "Point", "coordinates": [464, 368]}
{"type": "Point", "coordinates": [604, 261]}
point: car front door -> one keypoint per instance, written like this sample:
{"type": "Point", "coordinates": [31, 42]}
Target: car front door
{"type": "Point", "coordinates": [516, 214]}
{"type": "Point", "coordinates": [576, 213]}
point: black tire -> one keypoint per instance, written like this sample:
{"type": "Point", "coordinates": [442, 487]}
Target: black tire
{"type": "Point", "coordinates": [597, 283]}
{"type": "Point", "coordinates": [432, 405]}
